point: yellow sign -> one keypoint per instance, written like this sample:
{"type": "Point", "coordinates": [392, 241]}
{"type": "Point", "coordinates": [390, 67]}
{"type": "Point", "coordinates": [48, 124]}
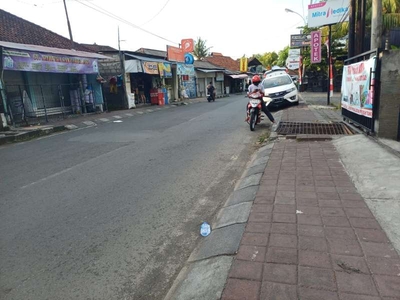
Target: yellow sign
{"type": "Point", "coordinates": [243, 64]}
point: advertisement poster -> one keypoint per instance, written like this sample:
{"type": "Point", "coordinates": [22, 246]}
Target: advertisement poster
{"type": "Point", "coordinates": [175, 54]}
{"type": "Point", "coordinates": [330, 12]}
{"type": "Point", "coordinates": [182, 69]}
{"type": "Point", "coordinates": [21, 60]}
{"type": "Point", "coordinates": [150, 67]}
{"type": "Point", "coordinates": [357, 95]}
{"type": "Point", "coordinates": [165, 70]}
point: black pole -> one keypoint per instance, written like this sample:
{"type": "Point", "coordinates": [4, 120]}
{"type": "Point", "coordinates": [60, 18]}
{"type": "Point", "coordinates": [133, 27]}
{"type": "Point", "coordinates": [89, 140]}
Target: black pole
{"type": "Point", "coordinates": [362, 25]}
{"type": "Point", "coordinates": [69, 26]}
{"type": "Point", "coordinates": [329, 64]}
{"type": "Point", "coordinates": [352, 20]}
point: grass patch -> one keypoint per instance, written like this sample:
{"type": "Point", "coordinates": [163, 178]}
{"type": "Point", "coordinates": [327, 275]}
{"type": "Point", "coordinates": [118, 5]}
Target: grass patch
{"type": "Point", "coordinates": [263, 137]}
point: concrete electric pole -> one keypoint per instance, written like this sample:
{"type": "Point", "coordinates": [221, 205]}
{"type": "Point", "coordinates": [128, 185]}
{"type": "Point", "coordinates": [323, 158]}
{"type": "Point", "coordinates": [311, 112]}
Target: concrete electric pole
{"type": "Point", "coordinates": [376, 24]}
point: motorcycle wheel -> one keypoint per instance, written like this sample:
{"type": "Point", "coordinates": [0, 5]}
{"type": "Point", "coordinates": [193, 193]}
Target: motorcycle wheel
{"type": "Point", "coordinates": [253, 120]}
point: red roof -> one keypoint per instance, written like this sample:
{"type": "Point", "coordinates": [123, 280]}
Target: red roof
{"type": "Point", "coordinates": [223, 61]}
{"type": "Point", "coordinates": [17, 30]}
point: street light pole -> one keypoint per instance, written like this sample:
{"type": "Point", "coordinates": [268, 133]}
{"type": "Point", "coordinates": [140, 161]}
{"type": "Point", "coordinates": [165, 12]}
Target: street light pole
{"type": "Point", "coordinates": [291, 11]}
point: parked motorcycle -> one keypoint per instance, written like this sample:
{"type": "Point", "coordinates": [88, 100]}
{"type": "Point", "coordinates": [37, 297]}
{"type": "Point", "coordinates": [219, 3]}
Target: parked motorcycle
{"type": "Point", "coordinates": [254, 109]}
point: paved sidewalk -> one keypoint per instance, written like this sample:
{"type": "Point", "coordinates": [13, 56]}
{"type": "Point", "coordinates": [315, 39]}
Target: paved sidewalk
{"type": "Point", "coordinates": [310, 234]}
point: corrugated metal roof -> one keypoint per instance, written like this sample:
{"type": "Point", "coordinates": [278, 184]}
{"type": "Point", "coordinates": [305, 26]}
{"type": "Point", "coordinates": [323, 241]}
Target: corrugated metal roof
{"type": "Point", "coordinates": [52, 50]}
{"type": "Point", "coordinates": [145, 58]}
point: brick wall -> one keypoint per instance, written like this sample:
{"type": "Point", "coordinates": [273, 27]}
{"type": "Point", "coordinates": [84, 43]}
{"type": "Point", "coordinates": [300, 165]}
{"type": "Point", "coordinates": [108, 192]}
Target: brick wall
{"type": "Point", "coordinates": [389, 104]}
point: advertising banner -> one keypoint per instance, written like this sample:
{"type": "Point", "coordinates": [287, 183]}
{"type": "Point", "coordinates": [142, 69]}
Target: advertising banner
{"type": "Point", "coordinates": [21, 60]}
{"type": "Point", "coordinates": [357, 95]}
{"type": "Point", "coordinates": [165, 70]}
{"type": "Point", "coordinates": [243, 64]}
{"type": "Point", "coordinates": [182, 69]}
{"type": "Point", "coordinates": [330, 12]}
{"type": "Point", "coordinates": [315, 47]}
{"type": "Point", "coordinates": [150, 67]}
{"type": "Point", "coordinates": [175, 54]}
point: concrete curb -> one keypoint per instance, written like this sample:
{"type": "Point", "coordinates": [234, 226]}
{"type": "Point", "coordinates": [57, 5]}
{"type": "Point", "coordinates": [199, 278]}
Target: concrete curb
{"type": "Point", "coordinates": [15, 136]}
{"type": "Point", "coordinates": [205, 273]}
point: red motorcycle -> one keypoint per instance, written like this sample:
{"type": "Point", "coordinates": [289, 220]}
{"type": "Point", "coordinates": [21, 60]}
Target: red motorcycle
{"type": "Point", "coordinates": [254, 109]}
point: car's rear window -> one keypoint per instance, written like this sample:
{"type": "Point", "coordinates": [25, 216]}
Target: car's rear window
{"type": "Point", "coordinates": [276, 81]}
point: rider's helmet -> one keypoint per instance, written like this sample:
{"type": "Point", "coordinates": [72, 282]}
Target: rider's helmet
{"type": "Point", "coordinates": [256, 79]}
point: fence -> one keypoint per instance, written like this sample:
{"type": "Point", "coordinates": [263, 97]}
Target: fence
{"type": "Point", "coordinates": [27, 103]}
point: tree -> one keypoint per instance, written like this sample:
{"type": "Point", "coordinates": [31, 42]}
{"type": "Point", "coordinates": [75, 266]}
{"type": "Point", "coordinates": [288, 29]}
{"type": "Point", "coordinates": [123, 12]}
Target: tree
{"type": "Point", "coordinates": [282, 56]}
{"type": "Point", "coordinates": [268, 59]}
{"type": "Point", "coordinates": [200, 50]}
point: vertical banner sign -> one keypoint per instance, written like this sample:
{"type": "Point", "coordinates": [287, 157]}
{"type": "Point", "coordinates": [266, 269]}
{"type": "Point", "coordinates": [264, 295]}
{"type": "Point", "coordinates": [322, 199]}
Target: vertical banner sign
{"type": "Point", "coordinates": [315, 47]}
{"type": "Point", "coordinates": [243, 64]}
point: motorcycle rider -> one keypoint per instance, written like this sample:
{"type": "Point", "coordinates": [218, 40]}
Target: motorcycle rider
{"type": "Point", "coordinates": [257, 86]}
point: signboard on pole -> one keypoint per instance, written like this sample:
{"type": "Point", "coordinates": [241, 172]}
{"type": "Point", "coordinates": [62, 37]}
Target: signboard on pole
{"type": "Point", "coordinates": [315, 47]}
{"type": "Point", "coordinates": [330, 12]}
{"type": "Point", "coordinates": [299, 40]}
{"type": "Point", "coordinates": [293, 60]}
{"type": "Point", "coordinates": [175, 54]}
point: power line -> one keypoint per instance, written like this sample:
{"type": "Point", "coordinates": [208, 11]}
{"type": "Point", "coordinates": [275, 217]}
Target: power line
{"type": "Point", "coordinates": [113, 16]}
{"type": "Point", "coordinates": [156, 13]}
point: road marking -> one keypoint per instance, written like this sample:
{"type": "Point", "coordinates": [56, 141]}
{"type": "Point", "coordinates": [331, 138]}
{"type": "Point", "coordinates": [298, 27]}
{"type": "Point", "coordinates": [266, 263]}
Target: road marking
{"type": "Point", "coordinates": [89, 123]}
{"type": "Point", "coordinates": [117, 117]}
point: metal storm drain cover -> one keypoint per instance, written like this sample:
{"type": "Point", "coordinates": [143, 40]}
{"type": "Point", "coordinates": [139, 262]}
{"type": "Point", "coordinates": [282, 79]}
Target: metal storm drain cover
{"type": "Point", "coordinates": [292, 128]}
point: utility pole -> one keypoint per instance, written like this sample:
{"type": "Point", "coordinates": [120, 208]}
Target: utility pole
{"type": "Point", "coordinates": [352, 20]}
{"type": "Point", "coordinates": [69, 26]}
{"type": "Point", "coordinates": [376, 24]}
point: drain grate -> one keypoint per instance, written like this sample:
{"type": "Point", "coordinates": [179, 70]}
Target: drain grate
{"type": "Point", "coordinates": [337, 128]}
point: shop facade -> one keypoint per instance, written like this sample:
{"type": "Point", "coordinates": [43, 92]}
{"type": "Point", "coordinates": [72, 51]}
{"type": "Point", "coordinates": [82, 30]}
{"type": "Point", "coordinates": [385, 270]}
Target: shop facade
{"type": "Point", "coordinates": [39, 82]}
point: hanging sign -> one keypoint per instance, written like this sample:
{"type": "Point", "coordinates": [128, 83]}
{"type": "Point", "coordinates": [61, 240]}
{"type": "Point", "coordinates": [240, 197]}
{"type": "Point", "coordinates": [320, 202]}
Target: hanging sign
{"type": "Point", "coordinates": [243, 64]}
{"type": "Point", "coordinates": [315, 47]}
{"type": "Point", "coordinates": [150, 67]}
{"type": "Point", "coordinates": [165, 70]}
{"type": "Point", "coordinates": [182, 69]}
{"type": "Point", "coordinates": [21, 60]}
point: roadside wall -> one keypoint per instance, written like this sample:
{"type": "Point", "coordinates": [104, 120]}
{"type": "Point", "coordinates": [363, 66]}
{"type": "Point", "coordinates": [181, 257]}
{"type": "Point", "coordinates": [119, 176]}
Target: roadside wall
{"type": "Point", "coordinates": [389, 103]}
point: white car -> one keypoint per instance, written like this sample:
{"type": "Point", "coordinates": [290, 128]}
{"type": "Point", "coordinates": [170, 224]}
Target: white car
{"type": "Point", "coordinates": [279, 89]}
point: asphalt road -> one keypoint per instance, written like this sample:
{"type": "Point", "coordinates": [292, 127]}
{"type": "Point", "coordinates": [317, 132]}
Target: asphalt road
{"type": "Point", "coordinates": [113, 211]}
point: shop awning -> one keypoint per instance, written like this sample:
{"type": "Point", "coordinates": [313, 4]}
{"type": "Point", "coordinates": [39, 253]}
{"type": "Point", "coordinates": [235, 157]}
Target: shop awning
{"type": "Point", "coordinates": [209, 70]}
{"type": "Point", "coordinates": [239, 76]}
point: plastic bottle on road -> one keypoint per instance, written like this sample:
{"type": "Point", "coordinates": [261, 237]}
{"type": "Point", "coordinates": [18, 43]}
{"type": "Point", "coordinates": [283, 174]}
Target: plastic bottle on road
{"type": "Point", "coordinates": [205, 229]}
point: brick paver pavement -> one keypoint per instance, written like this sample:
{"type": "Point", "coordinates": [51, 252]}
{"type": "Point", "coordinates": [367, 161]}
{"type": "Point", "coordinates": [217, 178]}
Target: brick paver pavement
{"type": "Point", "coordinates": [310, 234]}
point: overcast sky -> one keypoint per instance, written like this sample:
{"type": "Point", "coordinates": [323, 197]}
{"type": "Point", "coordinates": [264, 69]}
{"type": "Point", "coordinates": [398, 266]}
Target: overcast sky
{"type": "Point", "coordinates": [232, 27]}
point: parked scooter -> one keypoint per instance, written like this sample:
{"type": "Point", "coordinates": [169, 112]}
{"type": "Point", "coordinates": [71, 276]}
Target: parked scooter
{"type": "Point", "coordinates": [254, 109]}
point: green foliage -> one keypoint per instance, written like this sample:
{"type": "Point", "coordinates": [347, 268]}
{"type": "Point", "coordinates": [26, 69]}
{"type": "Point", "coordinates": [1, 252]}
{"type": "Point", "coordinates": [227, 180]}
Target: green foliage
{"type": "Point", "coordinates": [268, 59]}
{"type": "Point", "coordinates": [200, 49]}
{"type": "Point", "coordinates": [282, 56]}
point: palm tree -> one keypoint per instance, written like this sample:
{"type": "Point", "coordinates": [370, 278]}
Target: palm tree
{"type": "Point", "coordinates": [200, 50]}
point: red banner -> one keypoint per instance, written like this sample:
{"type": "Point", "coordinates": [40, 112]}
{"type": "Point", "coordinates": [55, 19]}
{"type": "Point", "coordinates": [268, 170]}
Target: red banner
{"type": "Point", "coordinates": [175, 54]}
